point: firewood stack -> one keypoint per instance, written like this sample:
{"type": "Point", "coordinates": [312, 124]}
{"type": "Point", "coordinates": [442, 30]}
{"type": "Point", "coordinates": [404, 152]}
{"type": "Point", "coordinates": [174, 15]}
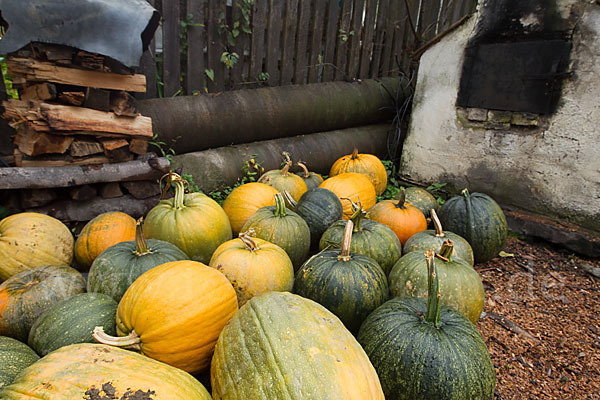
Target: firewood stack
{"type": "Point", "coordinates": [74, 109]}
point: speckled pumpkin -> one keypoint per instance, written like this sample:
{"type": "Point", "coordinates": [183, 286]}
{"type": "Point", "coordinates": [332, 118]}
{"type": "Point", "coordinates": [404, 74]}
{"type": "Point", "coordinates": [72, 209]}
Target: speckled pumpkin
{"type": "Point", "coordinates": [100, 233]}
{"type": "Point", "coordinates": [351, 186]}
{"type": "Point", "coordinates": [14, 357]}
{"type": "Point", "coordinates": [367, 164]}
{"type": "Point", "coordinates": [401, 217]}
{"type": "Point", "coordinates": [245, 200]}
{"type": "Point", "coordinates": [95, 371]}
{"type": "Point", "coordinates": [30, 240]}
{"type": "Point", "coordinates": [283, 179]}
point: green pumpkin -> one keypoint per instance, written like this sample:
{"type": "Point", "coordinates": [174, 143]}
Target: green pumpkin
{"type": "Point", "coordinates": [479, 219]}
{"type": "Point", "coordinates": [421, 199]}
{"type": "Point", "coordinates": [115, 269]}
{"type": "Point", "coordinates": [350, 285]}
{"type": "Point", "coordinates": [73, 321]}
{"type": "Point", "coordinates": [423, 350]}
{"type": "Point", "coordinates": [283, 227]}
{"type": "Point", "coordinates": [461, 285]}
{"type": "Point", "coordinates": [193, 222]}
{"type": "Point", "coordinates": [312, 179]}
{"type": "Point", "coordinates": [26, 295]}
{"type": "Point", "coordinates": [320, 208]}
{"type": "Point", "coordinates": [14, 357]}
{"type": "Point", "coordinates": [434, 238]}
{"type": "Point", "coordinates": [370, 238]}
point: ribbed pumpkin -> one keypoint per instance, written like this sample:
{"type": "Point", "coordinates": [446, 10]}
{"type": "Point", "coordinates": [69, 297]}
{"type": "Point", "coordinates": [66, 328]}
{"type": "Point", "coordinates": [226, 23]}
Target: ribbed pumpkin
{"type": "Point", "coordinates": [100, 233]}
{"type": "Point", "coordinates": [461, 285]}
{"type": "Point", "coordinates": [350, 285]}
{"type": "Point", "coordinates": [320, 208]}
{"type": "Point", "coordinates": [351, 186]}
{"type": "Point", "coordinates": [14, 357]}
{"type": "Point", "coordinates": [72, 321]}
{"type": "Point", "coordinates": [312, 179]}
{"type": "Point", "coordinates": [29, 240]}
{"type": "Point", "coordinates": [254, 266]}
{"type": "Point", "coordinates": [422, 350]}
{"type": "Point", "coordinates": [174, 314]}
{"type": "Point", "coordinates": [420, 198]}
{"type": "Point", "coordinates": [434, 238]}
{"type": "Point", "coordinates": [115, 269]}
{"type": "Point", "coordinates": [193, 222]}
{"type": "Point", "coordinates": [371, 238]}
{"type": "Point", "coordinates": [479, 219]}
{"type": "Point", "coordinates": [283, 179]}
{"type": "Point", "coordinates": [283, 346]}
{"type": "Point", "coordinates": [367, 164]}
{"type": "Point", "coordinates": [28, 294]}
{"type": "Point", "coordinates": [245, 200]}
{"type": "Point", "coordinates": [283, 227]}
{"type": "Point", "coordinates": [94, 371]}
{"type": "Point", "coordinates": [403, 218]}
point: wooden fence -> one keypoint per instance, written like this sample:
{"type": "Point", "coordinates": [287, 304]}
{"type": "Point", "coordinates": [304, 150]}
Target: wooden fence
{"type": "Point", "coordinates": [208, 46]}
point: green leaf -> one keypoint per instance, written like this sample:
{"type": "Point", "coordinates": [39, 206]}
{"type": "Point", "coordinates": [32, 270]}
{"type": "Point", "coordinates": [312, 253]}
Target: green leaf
{"type": "Point", "coordinates": [504, 254]}
{"type": "Point", "coordinates": [210, 73]}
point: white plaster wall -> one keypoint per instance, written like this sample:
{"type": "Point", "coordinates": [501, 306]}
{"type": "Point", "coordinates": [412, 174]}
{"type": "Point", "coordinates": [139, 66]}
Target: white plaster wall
{"type": "Point", "coordinates": [555, 171]}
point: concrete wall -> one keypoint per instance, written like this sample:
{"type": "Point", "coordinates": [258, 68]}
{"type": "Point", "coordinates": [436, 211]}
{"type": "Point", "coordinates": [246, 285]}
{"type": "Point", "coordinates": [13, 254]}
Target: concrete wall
{"type": "Point", "coordinates": [545, 164]}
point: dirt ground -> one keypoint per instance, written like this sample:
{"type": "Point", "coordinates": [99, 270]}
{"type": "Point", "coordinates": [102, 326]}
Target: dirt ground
{"type": "Point", "coordinates": [542, 322]}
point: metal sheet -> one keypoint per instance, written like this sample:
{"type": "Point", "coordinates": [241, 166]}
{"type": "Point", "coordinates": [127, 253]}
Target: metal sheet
{"type": "Point", "coordinates": [117, 29]}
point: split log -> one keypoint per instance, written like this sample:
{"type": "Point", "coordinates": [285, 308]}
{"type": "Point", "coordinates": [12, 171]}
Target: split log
{"type": "Point", "coordinates": [110, 190]}
{"type": "Point", "coordinates": [97, 99]}
{"type": "Point", "coordinates": [242, 116]}
{"type": "Point", "coordinates": [117, 150]}
{"type": "Point", "coordinates": [41, 91]}
{"type": "Point", "coordinates": [123, 104]}
{"type": "Point", "coordinates": [216, 168]}
{"type": "Point", "coordinates": [149, 167]}
{"type": "Point", "coordinates": [85, 147]}
{"type": "Point", "coordinates": [60, 160]}
{"type": "Point", "coordinates": [72, 98]}
{"type": "Point", "coordinates": [34, 143]}
{"type": "Point", "coordinates": [138, 146]}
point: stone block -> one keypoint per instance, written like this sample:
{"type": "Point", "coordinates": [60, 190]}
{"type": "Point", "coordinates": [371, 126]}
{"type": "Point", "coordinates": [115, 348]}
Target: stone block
{"type": "Point", "coordinates": [142, 189]}
{"type": "Point", "coordinates": [525, 119]}
{"type": "Point", "coordinates": [110, 190]}
{"type": "Point", "coordinates": [477, 114]}
{"type": "Point", "coordinates": [500, 117]}
{"type": "Point", "coordinates": [37, 197]}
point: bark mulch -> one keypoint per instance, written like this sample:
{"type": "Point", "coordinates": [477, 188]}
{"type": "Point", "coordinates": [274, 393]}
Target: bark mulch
{"type": "Point", "coordinates": [542, 322]}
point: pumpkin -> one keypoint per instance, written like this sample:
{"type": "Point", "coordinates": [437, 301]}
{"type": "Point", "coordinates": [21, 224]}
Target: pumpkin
{"type": "Point", "coordinates": [461, 285]}
{"type": "Point", "coordinates": [366, 164]}
{"type": "Point", "coordinates": [350, 285]}
{"type": "Point", "coordinates": [28, 294]}
{"type": "Point", "coordinates": [420, 198]}
{"type": "Point", "coordinates": [95, 371]}
{"type": "Point", "coordinates": [245, 200]}
{"type": "Point", "coordinates": [283, 346]}
{"type": "Point", "coordinates": [283, 227]}
{"type": "Point", "coordinates": [115, 269]}
{"type": "Point", "coordinates": [100, 233]}
{"type": "Point", "coordinates": [433, 239]}
{"type": "Point", "coordinates": [423, 350]}
{"type": "Point", "coordinates": [312, 179]}
{"type": "Point", "coordinates": [371, 238]}
{"type": "Point", "coordinates": [320, 208]}
{"type": "Point", "coordinates": [193, 222]}
{"type": "Point", "coordinates": [403, 218]}
{"type": "Point", "coordinates": [14, 357]}
{"type": "Point", "coordinates": [72, 321]}
{"type": "Point", "coordinates": [254, 266]}
{"type": "Point", "coordinates": [282, 179]}
{"type": "Point", "coordinates": [351, 186]}
{"type": "Point", "coordinates": [174, 314]}
{"type": "Point", "coordinates": [479, 219]}
{"type": "Point", "coordinates": [30, 240]}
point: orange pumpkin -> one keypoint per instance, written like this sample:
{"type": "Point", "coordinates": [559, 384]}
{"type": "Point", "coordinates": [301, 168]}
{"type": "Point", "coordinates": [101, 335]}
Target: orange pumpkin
{"type": "Point", "coordinates": [282, 179]}
{"type": "Point", "coordinates": [354, 186]}
{"type": "Point", "coordinates": [174, 313]}
{"type": "Point", "coordinates": [244, 200]}
{"type": "Point", "coordinates": [367, 164]}
{"type": "Point", "coordinates": [100, 233]}
{"type": "Point", "coordinates": [403, 218]}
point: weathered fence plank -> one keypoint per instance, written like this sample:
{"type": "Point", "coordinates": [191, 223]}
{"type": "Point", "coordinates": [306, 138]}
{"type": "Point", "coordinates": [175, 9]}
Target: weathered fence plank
{"type": "Point", "coordinates": [196, 38]}
{"type": "Point", "coordinates": [331, 38]}
{"type": "Point", "coordinates": [387, 56]}
{"type": "Point", "coordinates": [289, 41]}
{"type": "Point", "coordinates": [257, 48]}
{"type": "Point", "coordinates": [315, 59]}
{"type": "Point", "coordinates": [241, 47]}
{"type": "Point", "coordinates": [344, 36]}
{"type": "Point", "coordinates": [368, 36]}
{"type": "Point", "coordinates": [302, 43]}
{"type": "Point", "coordinates": [216, 17]}
{"type": "Point", "coordinates": [355, 39]}
{"type": "Point", "coordinates": [274, 41]}
{"type": "Point", "coordinates": [171, 58]}
{"type": "Point", "coordinates": [379, 38]}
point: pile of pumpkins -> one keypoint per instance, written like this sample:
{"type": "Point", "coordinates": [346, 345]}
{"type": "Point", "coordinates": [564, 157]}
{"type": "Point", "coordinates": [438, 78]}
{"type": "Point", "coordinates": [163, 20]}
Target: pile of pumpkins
{"type": "Point", "coordinates": [313, 298]}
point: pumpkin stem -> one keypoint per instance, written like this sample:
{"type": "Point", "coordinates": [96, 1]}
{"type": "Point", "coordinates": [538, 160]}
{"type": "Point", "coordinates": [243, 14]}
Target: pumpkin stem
{"type": "Point", "coordinates": [358, 213]}
{"type": "Point", "coordinates": [345, 251]}
{"type": "Point", "coordinates": [286, 168]}
{"type": "Point", "coordinates": [131, 341]}
{"type": "Point", "coordinates": [354, 155]}
{"type": "Point", "coordinates": [174, 179]}
{"type": "Point", "coordinates": [141, 247]}
{"type": "Point", "coordinates": [289, 200]}
{"type": "Point", "coordinates": [437, 224]}
{"type": "Point", "coordinates": [465, 192]}
{"type": "Point", "coordinates": [247, 239]}
{"type": "Point", "coordinates": [433, 291]}
{"type": "Point", "coordinates": [445, 253]}
{"type": "Point", "coordinates": [301, 165]}
{"type": "Point", "coordinates": [401, 199]}
{"type": "Point", "coordinates": [279, 205]}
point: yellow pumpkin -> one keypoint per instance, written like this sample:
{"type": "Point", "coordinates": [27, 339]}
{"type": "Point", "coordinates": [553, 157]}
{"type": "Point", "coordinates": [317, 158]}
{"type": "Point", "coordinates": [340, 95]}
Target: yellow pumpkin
{"type": "Point", "coordinates": [353, 186]}
{"type": "Point", "coordinates": [367, 164]}
{"type": "Point", "coordinates": [100, 233]}
{"type": "Point", "coordinates": [254, 266]}
{"type": "Point", "coordinates": [244, 200]}
{"type": "Point", "coordinates": [30, 240]}
{"type": "Point", "coordinates": [282, 179]}
{"type": "Point", "coordinates": [174, 313]}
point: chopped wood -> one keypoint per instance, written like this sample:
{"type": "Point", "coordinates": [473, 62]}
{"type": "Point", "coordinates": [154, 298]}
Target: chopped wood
{"type": "Point", "coordinates": [117, 149]}
{"type": "Point", "coordinates": [91, 133]}
{"type": "Point", "coordinates": [123, 104]}
{"type": "Point", "coordinates": [83, 192]}
{"type": "Point", "coordinates": [73, 98]}
{"type": "Point", "coordinates": [34, 143]}
{"type": "Point", "coordinates": [149, 167]}
{"type": "Point", "coordinates": [90, 60]}
{"type": "Point", "coordinates": [36, 197]}
{"type": "Point", "coordinates": [142, 189]}
{"type": "Point", "coordinates": [54, 52]}
{"type": "Point", "coordinates": [113, 144]}
{"type": "Point", "coordinates": [110, 190]}
{"type": "Point", "coordinates": [138, 146]}
{"type": "Point", "coordinates": [28, 69]}
{"type": "Point", "coordinates": [85, 147]}
{"type": "Point", "coordinates": [40, 91]}
{"type": "Point", "coordinates": [509, 325]}
{"type": "Point", "coordinates": [21, 111]}
{"type": "Point", "coordinates": [62, 160]}
{"type": "Point", "coordinates": [98, 99]}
